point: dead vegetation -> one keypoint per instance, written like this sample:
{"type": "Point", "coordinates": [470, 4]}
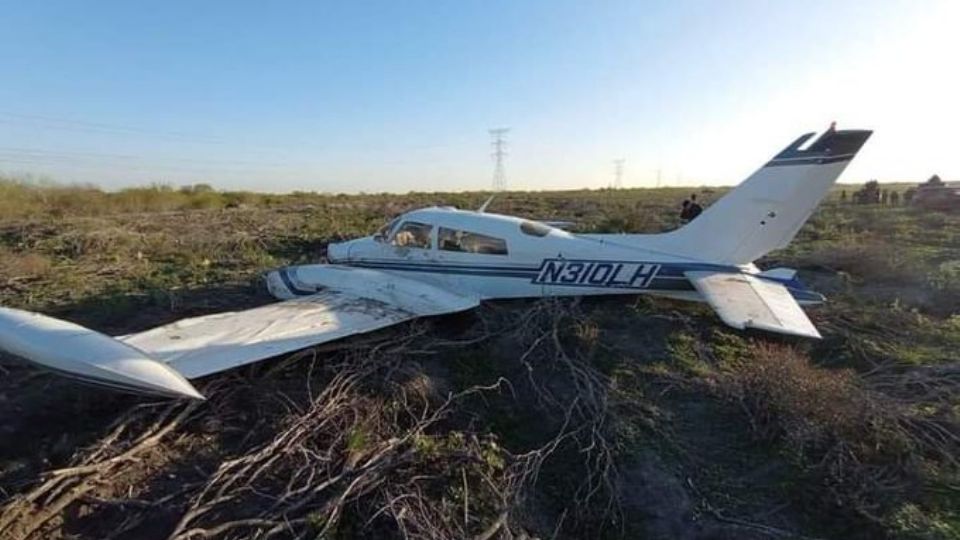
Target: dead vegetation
{"type": "Point", "coordinates": [610, 418]}
{"type": "Point", "coordinates": [871, 440]}
{"type": "Point", "coordinates": [870, 454]}
{"type": "Point", "coordinates": [24, 266]}
{"type": "Point", "coordinates": [363, 442]}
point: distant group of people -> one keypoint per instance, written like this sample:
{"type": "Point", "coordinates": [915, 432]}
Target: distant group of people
{"type": "Point", "coordinates": [933, 194]}
{"type": "Point", "coordinates": [872, 194]}
{"type": "Point", "coordinates": [690, 209]}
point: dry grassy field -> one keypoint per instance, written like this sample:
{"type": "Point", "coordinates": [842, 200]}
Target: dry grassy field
{"type": "Point", "coordinates": [620, 417]}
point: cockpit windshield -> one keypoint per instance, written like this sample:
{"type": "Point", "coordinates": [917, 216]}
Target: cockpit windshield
{"type": "Point", "coordinates": [384, 232]}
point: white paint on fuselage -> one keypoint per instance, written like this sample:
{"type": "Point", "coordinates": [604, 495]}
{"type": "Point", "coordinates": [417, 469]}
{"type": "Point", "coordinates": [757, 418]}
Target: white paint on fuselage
{"type": "Point", "coordinates": [513, 275]}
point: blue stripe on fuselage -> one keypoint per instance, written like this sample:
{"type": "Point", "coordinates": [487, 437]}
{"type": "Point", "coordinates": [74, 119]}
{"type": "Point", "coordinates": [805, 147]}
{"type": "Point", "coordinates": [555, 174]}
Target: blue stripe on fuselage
{"type": "Point", "coordinates": [669, 277]}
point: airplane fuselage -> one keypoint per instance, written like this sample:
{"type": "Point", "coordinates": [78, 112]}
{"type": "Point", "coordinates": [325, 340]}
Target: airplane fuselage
{"type": "Point", "coordinates": [513, 258]}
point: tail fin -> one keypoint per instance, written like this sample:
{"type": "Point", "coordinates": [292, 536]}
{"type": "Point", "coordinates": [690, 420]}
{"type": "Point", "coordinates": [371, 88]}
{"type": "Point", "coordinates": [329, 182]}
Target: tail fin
{"type": "Point", "coordinates": [765, 211]}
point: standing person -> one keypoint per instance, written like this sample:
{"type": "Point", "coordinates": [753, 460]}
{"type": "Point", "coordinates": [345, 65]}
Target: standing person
{"type": "Point", "coordinates": [884, 195]}
{"type": "Point", "coordinates": [694, 209]}
{"type": "Point", "coordinates": [908, 196]}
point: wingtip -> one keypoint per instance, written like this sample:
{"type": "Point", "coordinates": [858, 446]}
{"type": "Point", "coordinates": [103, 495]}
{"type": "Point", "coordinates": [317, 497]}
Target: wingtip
{"type": "Point", "coordinates": [191, 393]}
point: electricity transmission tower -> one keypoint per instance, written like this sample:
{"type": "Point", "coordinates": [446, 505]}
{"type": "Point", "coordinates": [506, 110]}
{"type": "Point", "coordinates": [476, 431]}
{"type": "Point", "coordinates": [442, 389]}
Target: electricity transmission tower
{"type": "Point", "coordinates": [499, 144]}
{"type": "Point", "coordinates": [618, 173]}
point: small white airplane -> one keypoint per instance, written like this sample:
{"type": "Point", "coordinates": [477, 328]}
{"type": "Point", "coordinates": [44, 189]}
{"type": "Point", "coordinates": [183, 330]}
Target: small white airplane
{"type": "Point", "coordinates": [442, 260]}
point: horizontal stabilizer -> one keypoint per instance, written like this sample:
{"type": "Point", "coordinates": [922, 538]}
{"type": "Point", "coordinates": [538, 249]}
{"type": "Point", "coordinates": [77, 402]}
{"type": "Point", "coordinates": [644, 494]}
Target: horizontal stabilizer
{"type": "Point", "coordinates": [744, 301]}
{"type": "Point", "coordinates": [780, 273]}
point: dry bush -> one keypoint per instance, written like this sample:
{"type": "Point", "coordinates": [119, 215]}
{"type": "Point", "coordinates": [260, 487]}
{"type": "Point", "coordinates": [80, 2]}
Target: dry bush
{"type": "Point", "coordinates": [361, 455]}
{"type": "Point", "coordinates": [363, 443]}
{"type": "Point", "coordinates": [15, 265]}
{"type": "Point", "coordinates": [39, 512]}
{"type": "Point", "coordinates": [352, 460]}
{"type": "Point", "coordinates": [553, 342]}
{"type": "Point", "coordinates": [863, 258]}
{"type": "Point", "coordinates": [871, 441]}
{"type": "Point", "coordinates": [26, 197]}
{"type": "Point", "coordinates": [97, 240]}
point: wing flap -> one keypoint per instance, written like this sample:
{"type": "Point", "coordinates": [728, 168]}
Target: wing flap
{"type": "Point", "coordinates": [744, 301]}
{"type": "Point", "coordinates": [203, 345]}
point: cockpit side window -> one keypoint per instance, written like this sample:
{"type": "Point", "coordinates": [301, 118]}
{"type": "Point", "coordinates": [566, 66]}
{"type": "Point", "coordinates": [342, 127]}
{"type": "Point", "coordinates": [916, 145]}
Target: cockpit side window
{"type": "Point", "coordinates": [412, 234]}
{"type": "Point", "coordinates": [534, 228]}
{"type": "Point", "coordinates": [469, 242]}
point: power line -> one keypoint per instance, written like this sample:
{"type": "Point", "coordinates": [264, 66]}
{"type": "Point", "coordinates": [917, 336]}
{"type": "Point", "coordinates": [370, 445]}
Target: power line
{"type": "Point", "coordinates": [41, 153]}
{"type": "Point", "coordinates": [50, 122]}
{"type": "Point", "coordinates": [499, 144]}
{"type": "Point", "coordinates": [131, 168]}
{"type": "Point", "coordinates": [32, 121]}
{"type": "Point", "coordinates": [130, 163]}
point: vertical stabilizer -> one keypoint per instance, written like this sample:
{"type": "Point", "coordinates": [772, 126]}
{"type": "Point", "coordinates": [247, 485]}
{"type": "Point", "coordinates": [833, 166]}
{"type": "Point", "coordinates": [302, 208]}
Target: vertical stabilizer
{"type": "Point", "coordinates": [765, 211]}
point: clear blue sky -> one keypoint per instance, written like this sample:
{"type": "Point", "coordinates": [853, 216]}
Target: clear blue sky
{"type": "Point", "coordinates": [398, 95]}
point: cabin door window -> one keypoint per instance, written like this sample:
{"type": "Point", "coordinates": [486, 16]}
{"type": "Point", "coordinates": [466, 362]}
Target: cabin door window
{"type": "Point", "coordinates": [469, 242]}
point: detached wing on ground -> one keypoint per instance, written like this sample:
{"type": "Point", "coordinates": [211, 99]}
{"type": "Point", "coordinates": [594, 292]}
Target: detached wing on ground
{"type": "Point", "coordinates": [744, 301]}
{"type": "Point", "coordinates": [204, 345]}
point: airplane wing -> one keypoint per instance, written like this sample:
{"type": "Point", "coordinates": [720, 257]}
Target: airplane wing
{"type": "Point", "coordinates": [203, 345]}
{"type": "Point", "coordinates": [745, 301]}
{"type": "Point", "coordinates": [158, 361]}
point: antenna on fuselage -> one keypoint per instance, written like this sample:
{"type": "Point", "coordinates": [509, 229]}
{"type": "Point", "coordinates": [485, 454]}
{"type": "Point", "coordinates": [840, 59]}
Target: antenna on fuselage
{"type": "Point", "coordinates": [483, 207]}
